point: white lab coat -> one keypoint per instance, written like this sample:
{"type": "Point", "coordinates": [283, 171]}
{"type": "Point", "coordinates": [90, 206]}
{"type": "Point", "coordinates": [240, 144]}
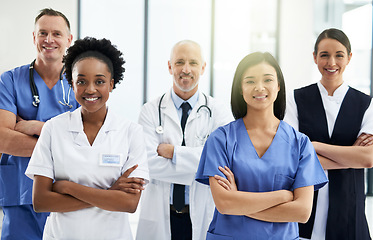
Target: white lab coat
{"type": "Point", "coordinates": [154, 220]}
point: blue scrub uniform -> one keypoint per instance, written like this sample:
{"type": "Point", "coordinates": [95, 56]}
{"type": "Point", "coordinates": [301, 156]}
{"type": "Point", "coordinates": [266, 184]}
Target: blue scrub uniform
{"type": "Point", "coordinates": [289, 163]}
{"type": "Point", "coordinates": [20, 221]}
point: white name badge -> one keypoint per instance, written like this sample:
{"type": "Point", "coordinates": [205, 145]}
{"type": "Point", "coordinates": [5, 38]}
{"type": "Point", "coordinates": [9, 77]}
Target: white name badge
{"type": "Point", "coordinates": [111, 160]}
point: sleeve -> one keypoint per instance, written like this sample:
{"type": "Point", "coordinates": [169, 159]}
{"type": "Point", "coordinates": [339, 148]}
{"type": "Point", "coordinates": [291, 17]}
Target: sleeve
{"type": "Point", "coordinates": [291, 113]}
{"type": "Point", "coordinates": [310, 171]}
{"type": "Point", "coordinates": [41, 162]}
{"type": "Point", "coordinates": [137, 154]}
{"type": "Point", "coordinates": [367, 124]}
{"type": "Point", "coordinates": [7, 95]}
{"type": "Point", "coordinates": [214, 154]}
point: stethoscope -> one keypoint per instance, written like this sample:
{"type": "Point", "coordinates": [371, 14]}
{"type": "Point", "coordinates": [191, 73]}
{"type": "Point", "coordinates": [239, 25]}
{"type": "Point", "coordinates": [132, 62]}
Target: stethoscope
{"type": "Point", "coordinates": [159, 129]}
{"type": "Point", "coordinates": [35, 93]}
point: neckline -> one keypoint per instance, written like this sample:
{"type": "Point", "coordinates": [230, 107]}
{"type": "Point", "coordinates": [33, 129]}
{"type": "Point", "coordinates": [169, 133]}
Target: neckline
{"type": "Point", "coordinates": [251, 143]}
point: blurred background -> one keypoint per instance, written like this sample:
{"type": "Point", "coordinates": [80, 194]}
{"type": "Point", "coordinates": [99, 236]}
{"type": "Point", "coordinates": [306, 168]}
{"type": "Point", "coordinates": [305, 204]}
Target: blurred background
{"type": "Point", "coordinates": [146, 30]}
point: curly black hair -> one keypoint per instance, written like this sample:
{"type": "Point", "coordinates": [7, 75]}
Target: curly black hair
{"type": "Point", "coordinates": [102, 49]}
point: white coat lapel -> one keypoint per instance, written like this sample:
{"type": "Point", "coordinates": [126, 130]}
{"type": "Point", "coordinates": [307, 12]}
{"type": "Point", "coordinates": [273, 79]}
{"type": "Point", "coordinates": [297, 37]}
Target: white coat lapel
{"type": "Point", "coordinates": [168, 108]}
{"type": "Point", "coordinates": [76, 128]}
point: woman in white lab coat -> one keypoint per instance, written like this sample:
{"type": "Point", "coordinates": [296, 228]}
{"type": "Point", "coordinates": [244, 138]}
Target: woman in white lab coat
{"type": "Point", "coordinates": [80, 155]}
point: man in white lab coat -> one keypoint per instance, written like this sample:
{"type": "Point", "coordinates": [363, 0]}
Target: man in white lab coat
{"type": "Point", "coordinates": [176, 125]}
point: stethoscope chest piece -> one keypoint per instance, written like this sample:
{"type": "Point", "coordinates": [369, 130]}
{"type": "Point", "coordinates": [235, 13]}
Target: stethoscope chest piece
{"type": "Point", "coordinates": [159, 130]}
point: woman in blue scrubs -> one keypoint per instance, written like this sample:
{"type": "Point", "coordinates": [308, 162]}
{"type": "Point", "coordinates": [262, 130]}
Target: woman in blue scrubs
{"type": "Point", "coordinates": [262, 172]}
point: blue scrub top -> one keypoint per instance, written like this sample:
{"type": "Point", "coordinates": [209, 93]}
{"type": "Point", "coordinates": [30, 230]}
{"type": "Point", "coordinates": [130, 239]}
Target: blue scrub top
{"type": "Point", "coordinates": [16, 97]}
{"type": "Point", "coordinates": [290, 162]}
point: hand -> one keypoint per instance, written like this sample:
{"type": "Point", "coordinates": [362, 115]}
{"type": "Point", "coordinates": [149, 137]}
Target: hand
{"type": "Point", "coordinates": [30, 127]}
{"type": "Point", "coordinates": [128, 185]}
{"type": "Point", "coordinates": [165, 150]}
{"type": "Point", "coordinates": [364, 140]}
{"type": "Point", "coordinates": [229, 183]}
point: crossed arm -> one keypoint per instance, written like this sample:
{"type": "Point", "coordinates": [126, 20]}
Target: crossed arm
{"type": "Point", "coordinates": [17, 134]}
{"type": "Point", "coordinates": [360, 155]}
{"type": "Point", "coordinates": [66, 196]}
{"type": "Point", "coordinates": [275, 206]}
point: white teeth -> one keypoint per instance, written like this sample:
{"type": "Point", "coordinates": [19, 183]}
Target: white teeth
{"type": "Point", "coordinates": [91, 99]}
{"type": "Point", "coordinates": [48, 48]}
{"type": "Point", "coordinates": [331, 70]}
{"type": "Point", "coordinates": [260, 97]}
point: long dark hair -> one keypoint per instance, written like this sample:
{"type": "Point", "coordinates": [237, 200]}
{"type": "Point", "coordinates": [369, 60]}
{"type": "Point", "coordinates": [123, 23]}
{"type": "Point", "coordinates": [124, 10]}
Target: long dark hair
{"type": "Point", "coordinates": [238, 104]}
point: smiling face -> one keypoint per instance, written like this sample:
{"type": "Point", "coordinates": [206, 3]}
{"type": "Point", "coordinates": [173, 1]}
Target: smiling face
{"type": "Point", "coordinates": [331, 59]}
{"type": "Point", "coordinates": [92, 83]}
{"type": "Point", "coordinates": [51, 38]}
{"type": "Point", "coordinates": [260, 86]}
{"type": "Point", "coordinates": [186, 65]}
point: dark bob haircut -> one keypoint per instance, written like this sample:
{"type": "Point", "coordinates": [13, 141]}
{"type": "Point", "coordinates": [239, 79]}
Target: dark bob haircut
{"type": "Point", "coordinates": [238, 104]}
{"type": "Point", "coordinates": [102, 50]}
{"type": "Point", "coordinates": [336, 34]}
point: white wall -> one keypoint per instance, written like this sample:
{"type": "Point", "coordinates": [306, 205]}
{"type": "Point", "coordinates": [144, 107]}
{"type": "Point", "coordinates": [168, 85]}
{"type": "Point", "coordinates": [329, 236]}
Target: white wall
{"type": "Point", "coordinates": [296, 43]}
{"type": "Point", "coordinates": [17, 24]}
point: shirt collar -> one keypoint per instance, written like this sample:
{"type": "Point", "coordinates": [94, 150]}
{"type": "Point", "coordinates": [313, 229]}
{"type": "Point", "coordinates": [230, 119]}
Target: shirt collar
{"type": "Point", "coordinates": [76, 123]}
{"type": "Point", "coordinates": [178, 101]}
{"type": "Point", "coordinates": [338, 94]}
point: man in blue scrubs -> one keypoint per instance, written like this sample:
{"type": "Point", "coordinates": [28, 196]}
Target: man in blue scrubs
{"type": "Point", "coordinates": [22, 118]}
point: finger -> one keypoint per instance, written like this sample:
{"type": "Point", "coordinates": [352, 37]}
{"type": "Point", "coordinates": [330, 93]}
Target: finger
{"type": "Point", "coordinates": [359, 139]}
{"type": "Point", "coordinates": [363, 139]}
{"type": "Point", "coordinates": [129, 171]}
{"type": "Point", "coordinates": [231, 175]}
{"type": "Point", "coordinates": [223, 171]}
{"type": "Point", "coordinates": [133, 185]}
{"type": "Point", "coordinates": [137, 180]}
{"type": "Point", "coordinates": [131, 190]}
{"type": "Point", "coordinates": [367, 141]}
{"type": "Point", "coordinates": [228, 170]}
{"type": "Point", "coordinates": [224, 185]}
{"type": "Point", "coordinates": [225, 181]}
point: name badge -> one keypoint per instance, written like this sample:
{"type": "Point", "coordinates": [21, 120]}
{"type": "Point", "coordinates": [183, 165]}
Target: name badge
{"type": "Point", "coordinates": [111, 160]}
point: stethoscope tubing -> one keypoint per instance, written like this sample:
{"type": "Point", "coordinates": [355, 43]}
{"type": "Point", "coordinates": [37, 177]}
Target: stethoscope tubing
{"type": "Point", "coordinates": [159, 128]}
{"type": "Point", "coordinates": [35, 92]}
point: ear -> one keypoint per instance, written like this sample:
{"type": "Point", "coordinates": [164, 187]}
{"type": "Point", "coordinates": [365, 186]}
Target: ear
{"type": "Point", "coordinates": [70, 40]}
{"type": "Point", "coordinates": [315, 57]}
{"type": "Point", "coordinates": [203, 68]}
{"type": "Point", "coordinates": [111, 85]}
{"type": "Point", "coordinates": [349, 57]}
{"type": "Point", "coordinates": [33, 37]}
{"type": "Point", "coordinates": [169, 67]}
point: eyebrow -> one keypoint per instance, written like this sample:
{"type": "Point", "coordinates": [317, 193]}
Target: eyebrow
{"type": "Point", "coordinates": [264, 75]}
{"type": "Point", "coordinates": [337, 52]}
{"type": "Point", "coordinates": [97, 75]}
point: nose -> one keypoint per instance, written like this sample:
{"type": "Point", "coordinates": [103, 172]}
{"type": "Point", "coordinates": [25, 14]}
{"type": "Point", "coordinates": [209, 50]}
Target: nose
{"type": "Point", "coordinates": [49, 38]}
{"type": "Point", "coordinates": [331, 61]}
{"type": "Point", "coordinates": [186, 68]}
{"type": "Point", "coordinates": [90, 88]}
{"type": "Point", "coordinates": [259, 86]}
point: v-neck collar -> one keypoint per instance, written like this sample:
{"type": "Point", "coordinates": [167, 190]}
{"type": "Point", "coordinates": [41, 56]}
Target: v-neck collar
{"type": "Point", "coordinates": [247, 136]}
{"type": "Point", "coordinates": [76, 125]}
